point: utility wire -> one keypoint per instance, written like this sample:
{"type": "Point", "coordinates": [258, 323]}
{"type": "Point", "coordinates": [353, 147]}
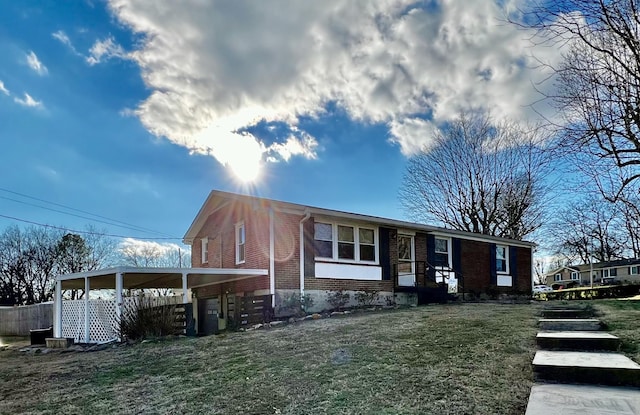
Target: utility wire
{"type": "Point", "coordinates": [83, 232]}
{"type": "Point", "coordinates": [139, 228]}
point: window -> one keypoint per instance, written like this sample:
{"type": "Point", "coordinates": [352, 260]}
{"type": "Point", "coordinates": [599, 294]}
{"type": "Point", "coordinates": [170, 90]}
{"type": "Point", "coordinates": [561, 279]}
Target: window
{"type": "Point", "coordinates": [323, 240]}
{"type": "Point", "coordinates": [442, 252]}
{"type": "Point", "coordinates": [346, 242]}
{"type": "Point", "coordinates": [367, 245]}
{"type": "Point", "coordinates": [575, 275]}
{"type": "Point", "coordinates": [205, 250]}
{"type": "Point", "coordinates": [634, 270]}
{"type": "Point", "coordinates": [502, 259]}
{"type": "Point", "coordinates": [240, 243]}
{"type": "Point", "coordinates": [557, 277]}
{"type": "Point", "coordinates": [609, 272]}
{"type": "Point", "coordinates": [343, 242]}
{"type": "Point", "coordinates": [405, 254]}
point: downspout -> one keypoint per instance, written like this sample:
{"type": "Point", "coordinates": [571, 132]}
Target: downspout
{"type": "Point", "coordinates": [272, 261]}
{"type": "Point", "coordinates": [306, 217]}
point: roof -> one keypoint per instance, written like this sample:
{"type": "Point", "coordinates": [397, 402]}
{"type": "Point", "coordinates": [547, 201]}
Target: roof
{"type": "Point", "coordinates": [598, 265]}
{"type": "Point", "coordinates": [151, 277]}
{"type": "Point", "coordinates": [218, 199]}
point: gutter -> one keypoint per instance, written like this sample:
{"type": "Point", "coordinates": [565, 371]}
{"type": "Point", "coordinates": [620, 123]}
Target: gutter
{"type": "Point", "coordinates": [307, 215]}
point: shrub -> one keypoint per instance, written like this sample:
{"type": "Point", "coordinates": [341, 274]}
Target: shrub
{"type": "Point", "coordinates": [143, 320]}
{"type": "Point", "coordinates": [366, 298]}
{"type": "Point", "coordinates": [294, 304]}
{"type": "Point", "coordinates": [338, 299]}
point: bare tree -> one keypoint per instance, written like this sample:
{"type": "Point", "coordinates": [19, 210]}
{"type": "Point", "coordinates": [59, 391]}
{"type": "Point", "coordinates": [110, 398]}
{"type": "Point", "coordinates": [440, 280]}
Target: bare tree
{"type": "Point", "coordinates": [589, 227]}
{"type": "Point", "coordinates": [479, 176]}
{"type": "Point", "coordinates": [597, 85]}
{"type": "Point", "coordinates": [152, 254]}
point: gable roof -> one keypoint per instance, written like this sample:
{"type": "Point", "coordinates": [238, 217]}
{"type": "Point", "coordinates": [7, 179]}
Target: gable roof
{"type": "Point", "coordinates": [218, 199]}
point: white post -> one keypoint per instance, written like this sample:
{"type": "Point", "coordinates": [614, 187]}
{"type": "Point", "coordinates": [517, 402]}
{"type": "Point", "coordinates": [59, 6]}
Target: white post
{"type": "Point", "coordinates": [591, 270]}
{"type": "Point", "coordinates": [119, 283]}
{"type": "Point", "coordinates": [185, 297]}
{"type": "Point", "coordinates": [57, 321]}
{"type": "Point", "coordinates": [87, 315]}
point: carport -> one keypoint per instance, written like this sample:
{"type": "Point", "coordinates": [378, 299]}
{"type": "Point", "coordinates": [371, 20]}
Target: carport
{"type": "Point", "coordinates": [92, 320]}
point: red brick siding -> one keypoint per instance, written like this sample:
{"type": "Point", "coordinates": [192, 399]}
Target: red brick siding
{"type": "Point", "coordinates": [523, 264]}
{"type": "Point", "coordinates": [332, 284]}
{"type": "Point", "coordinates": [474, 262]}
{"type": "Point", "coordinates": [287, 251]}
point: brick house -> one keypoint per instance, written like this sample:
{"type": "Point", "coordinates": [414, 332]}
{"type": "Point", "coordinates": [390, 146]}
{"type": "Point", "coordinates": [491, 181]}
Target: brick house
{"type": "Point", "coordinates": [310, 251]}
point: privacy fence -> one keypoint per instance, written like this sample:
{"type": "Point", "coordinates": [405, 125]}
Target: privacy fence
{"type": "Point", "coordinates": [17, 321]}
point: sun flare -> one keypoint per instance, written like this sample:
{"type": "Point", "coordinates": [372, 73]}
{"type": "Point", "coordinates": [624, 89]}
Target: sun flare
{"type": "Point", "coordinates": [246, 170]}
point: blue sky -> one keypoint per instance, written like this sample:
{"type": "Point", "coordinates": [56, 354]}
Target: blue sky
{"type": "Point", "coordinates": [135, 110]}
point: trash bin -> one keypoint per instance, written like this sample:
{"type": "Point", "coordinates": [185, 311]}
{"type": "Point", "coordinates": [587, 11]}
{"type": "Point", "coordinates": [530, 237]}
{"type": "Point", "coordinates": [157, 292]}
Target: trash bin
{"type": "Point", "coordinates": [39, 336]}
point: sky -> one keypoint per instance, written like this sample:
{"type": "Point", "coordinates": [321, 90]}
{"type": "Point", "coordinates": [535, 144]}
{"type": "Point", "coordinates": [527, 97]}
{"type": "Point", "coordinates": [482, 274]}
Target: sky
{"type": "Point", "coordinates": [125, 114]}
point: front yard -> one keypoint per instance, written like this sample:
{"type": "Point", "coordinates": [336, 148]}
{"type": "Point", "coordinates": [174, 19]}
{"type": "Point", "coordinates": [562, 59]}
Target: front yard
{"type": "Point", "coordinates": [444, 359]}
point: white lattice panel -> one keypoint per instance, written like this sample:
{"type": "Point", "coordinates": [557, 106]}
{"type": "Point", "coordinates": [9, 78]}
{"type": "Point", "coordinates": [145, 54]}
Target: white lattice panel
{"type": "Point", "coordinates": [102, 320]}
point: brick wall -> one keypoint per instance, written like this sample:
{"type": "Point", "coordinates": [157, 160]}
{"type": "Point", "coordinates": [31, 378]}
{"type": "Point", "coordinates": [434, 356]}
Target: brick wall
{"type": "Point", "coordinates": [287, 250]}
{"type": "Point", "coordinates": [523, 263]}
{"type": "Point", "coordinates": [474, 261]}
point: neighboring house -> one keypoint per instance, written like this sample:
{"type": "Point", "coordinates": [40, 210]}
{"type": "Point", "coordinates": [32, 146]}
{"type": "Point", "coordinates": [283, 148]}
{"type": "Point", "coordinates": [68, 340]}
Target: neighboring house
{"type": "Point", "coordinates": [311, 251]}
{"type": "Point", "coordinates": [617, 271]}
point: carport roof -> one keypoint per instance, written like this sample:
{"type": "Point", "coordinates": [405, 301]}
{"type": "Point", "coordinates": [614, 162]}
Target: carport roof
{"type": "Point", "coordinates": [147, 277]}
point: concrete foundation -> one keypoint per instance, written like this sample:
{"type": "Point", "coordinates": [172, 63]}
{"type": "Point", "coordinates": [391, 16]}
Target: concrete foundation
{"type": "Point", "coordinates": [584, 400]}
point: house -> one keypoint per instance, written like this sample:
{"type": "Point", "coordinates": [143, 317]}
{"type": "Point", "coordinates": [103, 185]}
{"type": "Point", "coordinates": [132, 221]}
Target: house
{"type": "Point", "coordinates": [616, 271]}
{"type": "Point", "coordinates": [309, 251]}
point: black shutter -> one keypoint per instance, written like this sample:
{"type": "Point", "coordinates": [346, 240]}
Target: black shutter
{"type": "Point", "coordinates": [493, 274]}
{"type": "Point", "coordinates": [309, 249]}
{"type": "Point", "coordinates": [385, 256]}
{"type": "Point", "coordinates": [457, 257]}
{"type": "Point", "coordinates": [431, 257]}
{"type": "Point", "coordinates": [513, 263]}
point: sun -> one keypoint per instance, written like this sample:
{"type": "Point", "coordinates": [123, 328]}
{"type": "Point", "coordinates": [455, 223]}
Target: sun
{"type": "Point", "coordinates": [246, 170]}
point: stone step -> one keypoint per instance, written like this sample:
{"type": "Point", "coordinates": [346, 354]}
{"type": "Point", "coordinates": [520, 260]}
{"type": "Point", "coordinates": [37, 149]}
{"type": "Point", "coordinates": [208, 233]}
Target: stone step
{"type": "Point", "coordinates": [612, 369]}
{"type": "Point", "coordinates": [577, 340]}
{"type": "Point", "coordinates": [560, 399]}
{"type": "Point", "coordinates": [570, 324]}
{"type": "Point", "coordinates": [567, 313]}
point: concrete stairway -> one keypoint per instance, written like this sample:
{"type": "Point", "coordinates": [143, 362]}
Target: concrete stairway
{"type": "Point", "coordinates": [574, 351]}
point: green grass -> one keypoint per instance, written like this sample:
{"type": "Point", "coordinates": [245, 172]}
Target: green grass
{"type": "Point", "coordinates": [621, 318]}
{"type": "Point", "coordinates": [451, 359]}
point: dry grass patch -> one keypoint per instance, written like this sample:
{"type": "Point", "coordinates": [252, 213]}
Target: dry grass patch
{"type": "Point", "coordinates": [455, 359]}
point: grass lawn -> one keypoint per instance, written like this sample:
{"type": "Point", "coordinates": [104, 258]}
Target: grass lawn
{"type": "Point", "coordinates": [441, 359]}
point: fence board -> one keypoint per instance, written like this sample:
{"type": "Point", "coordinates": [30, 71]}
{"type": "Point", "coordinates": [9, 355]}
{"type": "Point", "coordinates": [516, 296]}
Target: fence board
{"type": "Point", "coordinates": [17, 321]}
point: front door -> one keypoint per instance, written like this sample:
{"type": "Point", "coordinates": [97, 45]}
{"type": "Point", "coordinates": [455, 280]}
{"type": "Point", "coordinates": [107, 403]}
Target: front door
{"type": "Point", "coordinates": [207, 316]}
{"type": "Point", "coordinates": [406, 263]}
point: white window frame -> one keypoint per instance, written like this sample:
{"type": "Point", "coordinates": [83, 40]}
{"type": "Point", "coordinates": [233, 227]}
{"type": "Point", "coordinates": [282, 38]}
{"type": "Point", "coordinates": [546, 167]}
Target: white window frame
{"type": "Point", "coordinates": [607, 271]}
{"type": "Point", "coordinates": [637, 270]}
{"type": "Point", "coordinates": [506, 260]}
{"type": "Point", "coordinates": [204, 250]}
{"type": "Point", "coordinates": [449, 251]}
{"type": "Point", "coordinates": [412, 260]}
{"type": "Point", "coordinates": [356, 237]}
{"type": "Point", "coordinates": [575, 276]}
{"type": "Point", "coordinates": [557, 277]}
{"type": "Point", "coordinates": [241, 244]}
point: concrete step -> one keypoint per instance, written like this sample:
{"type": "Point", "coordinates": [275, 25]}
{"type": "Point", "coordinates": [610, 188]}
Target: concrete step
{"type": "Point", "coordinates": [612, 369]}
{"type": "Point", "coordinates": [567, 313]}
{"type": "Point", "coordinates": [559, 399]}
{"type": "Point", "coordinates": [570, 324]}
{"type": "Point", "coordinates": [577, 340]}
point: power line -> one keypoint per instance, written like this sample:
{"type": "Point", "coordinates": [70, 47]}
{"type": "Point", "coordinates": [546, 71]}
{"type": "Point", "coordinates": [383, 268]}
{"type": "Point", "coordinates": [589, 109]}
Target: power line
{"type": "Point", "coordinates": [139, 228]}
{"type": "Point", "coordinates": [84, 232]}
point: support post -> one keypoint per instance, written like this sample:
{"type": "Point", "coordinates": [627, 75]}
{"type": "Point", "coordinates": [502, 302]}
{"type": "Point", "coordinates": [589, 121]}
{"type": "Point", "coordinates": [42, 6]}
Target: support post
{"type": "Point", "coordinates": [185, 297]}
{"type": "Point", "coordinates": [87, 315]}
{"type": "Point", "coordinates": [57, 320]}
{"type": "Point", "coordinates": [119, 283]}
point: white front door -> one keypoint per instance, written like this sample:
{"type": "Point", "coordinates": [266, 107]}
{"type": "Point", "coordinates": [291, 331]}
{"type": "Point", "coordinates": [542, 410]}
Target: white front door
{"type": "Point", "coordinates": [406, 263]}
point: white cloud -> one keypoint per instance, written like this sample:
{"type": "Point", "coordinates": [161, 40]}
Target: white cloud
{"type": "Point", "coordinates": [62, 37]}
{"type": "Point", "coordinates": [3, 89]}
{"type": "Point", "coordinates": [216, 68]}
{"type": "Point", "coordinates": [103, 50]}
{"type": "Point", "coordinates": [157, 248]}
{"type": "Point", "coordinates": [35, 64]}
{"type": "Point", "coordinates": [28, 101]}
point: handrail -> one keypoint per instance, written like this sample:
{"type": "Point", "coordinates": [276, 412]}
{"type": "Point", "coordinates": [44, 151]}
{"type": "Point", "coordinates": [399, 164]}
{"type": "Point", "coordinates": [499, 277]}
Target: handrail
{"type": "Point", "coordinates": [438, 270]}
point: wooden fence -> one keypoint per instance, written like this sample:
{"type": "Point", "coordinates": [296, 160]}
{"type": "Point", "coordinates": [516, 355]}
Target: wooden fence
{"type": "Point", "coordinates": [17, 321]}
{"type": "Point", "coordinates": [247, 311]}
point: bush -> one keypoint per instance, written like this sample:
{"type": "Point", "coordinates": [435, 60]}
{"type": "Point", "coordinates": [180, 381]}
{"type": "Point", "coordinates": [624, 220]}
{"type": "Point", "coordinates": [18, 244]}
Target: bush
{"type": "Point", "coordinates": [338, 299]}
{"type": "Point", "coordinates": [366, 298]}
{"type": "Point", "coordinates": [294, 304]}
{"type": "Point", "coordinates": [144, 320]}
